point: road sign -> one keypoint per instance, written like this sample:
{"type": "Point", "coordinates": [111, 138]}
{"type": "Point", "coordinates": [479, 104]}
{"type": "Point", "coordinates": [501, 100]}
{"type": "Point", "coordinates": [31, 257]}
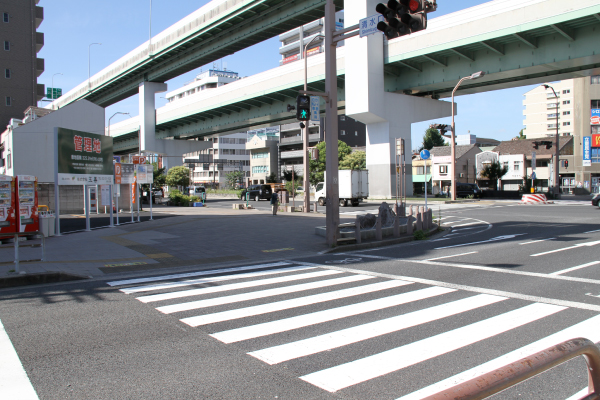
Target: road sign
{"type": "Point", "coordinates": [53, 93]}
{"type": "Point", "coordinates": [139, 159]}
{"type": "Point", "coordinates": [533, 161]}
{"type": "Point", "coordinates": [368, 26]}
{"type": "Point", "coordinates": [533, 175]}
{"type": "Point", "coordinates": [315, 108]}
{"type": "Point", "coordinates": [425, 154]}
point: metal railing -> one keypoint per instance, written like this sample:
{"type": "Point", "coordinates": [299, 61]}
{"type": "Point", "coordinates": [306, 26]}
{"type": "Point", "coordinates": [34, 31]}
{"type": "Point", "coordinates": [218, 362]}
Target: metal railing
{"type": "Point", "coordinates": [502, 378]}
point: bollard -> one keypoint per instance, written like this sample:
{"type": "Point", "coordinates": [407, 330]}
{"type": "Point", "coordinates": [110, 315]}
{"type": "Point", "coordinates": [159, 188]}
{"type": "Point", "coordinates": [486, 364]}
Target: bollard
{"type": "Point", "coordinates": [316, 206]}
{"type": "Point", "coordinates": [397, 226]}
{"type": "Point", "coordinates": [378, 234]}
{"type": "Point", "coordinates": [410, 211]}
{"type": "Point", "coordinates": [423, 219]}
{"type": "Point", "coordinates": [409, 225]}
{"type": "Point", "coordinates": [419, 222]}
{"type": "Point", "coordinates": [357, 235]}
{"type": "Point", "coordinates": [430, 218]}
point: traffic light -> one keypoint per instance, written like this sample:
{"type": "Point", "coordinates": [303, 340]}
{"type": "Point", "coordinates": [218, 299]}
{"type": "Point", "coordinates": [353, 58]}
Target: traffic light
{"type": "Point", "coordinates": [536, 145]}
{"type": "Point", "coordinates": [566, 164]}
{"type": "Point", "coordinates": [404, 16]}
{"type": "Point", "coordinates": [443, 128]}
{"type": "Point", "coordinates": [303, 107]}
{"type": "Point", "coordinates": [548, 145]}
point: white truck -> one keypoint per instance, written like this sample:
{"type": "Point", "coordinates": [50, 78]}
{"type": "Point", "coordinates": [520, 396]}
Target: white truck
{"type": "Point", "coordinates": [353, 188]}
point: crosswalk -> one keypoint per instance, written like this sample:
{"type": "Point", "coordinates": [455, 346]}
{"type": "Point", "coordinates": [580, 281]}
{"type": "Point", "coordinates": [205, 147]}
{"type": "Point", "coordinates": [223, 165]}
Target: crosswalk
{"type": "Point", "coordinates": [343, 331]}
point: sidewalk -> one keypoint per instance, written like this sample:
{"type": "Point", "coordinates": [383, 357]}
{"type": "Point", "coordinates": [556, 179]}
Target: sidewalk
{"type": "Point", "coordinates": [188, 237]}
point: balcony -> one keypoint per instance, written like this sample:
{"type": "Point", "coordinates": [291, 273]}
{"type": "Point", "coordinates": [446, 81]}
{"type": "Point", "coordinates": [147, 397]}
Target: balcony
{"type": "Point", "coordinates": [298, 139]}
{"type": "Point", "coordinates": [552, 105]}
{"type": "Point", "coordinates": [40, 91]}
{"type": "Point", "coordinates": [39, 41]}
{"type": "Point", "coordinates": [39, 16]}
{"type": "Point", "coordinates": [39, 66]}
{"type": "Point", "coordinates": [291, 154]}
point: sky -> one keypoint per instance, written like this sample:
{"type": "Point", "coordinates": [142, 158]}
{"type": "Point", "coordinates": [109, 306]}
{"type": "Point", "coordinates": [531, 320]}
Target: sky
{"type": "Point", "coordinates": [70, 26]}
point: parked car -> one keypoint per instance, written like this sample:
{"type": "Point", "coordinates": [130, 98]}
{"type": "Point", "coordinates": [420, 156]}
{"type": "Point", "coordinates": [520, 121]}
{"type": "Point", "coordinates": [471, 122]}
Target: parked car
{"type": "Point", "coordinates": [196, 190]}
{"type": "Point", "coordinates": [596, 200]}
{"type": "Point", "coordinates": [257, 192]}
{"type": "Point", "coordinates": [468, 189]}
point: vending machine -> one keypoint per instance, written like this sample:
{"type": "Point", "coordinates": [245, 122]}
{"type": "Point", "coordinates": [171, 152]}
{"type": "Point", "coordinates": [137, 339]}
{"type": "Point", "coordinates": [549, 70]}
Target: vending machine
{"type": "Point", "coordinates": [8, 219]}
{"type": "Point", "coordinates": [27, 203]}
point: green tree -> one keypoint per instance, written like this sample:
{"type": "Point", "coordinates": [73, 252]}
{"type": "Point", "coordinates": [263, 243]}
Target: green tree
{"type": "Point", "coordinates": [178, 176]}
{"type": "Point", "coordinates": [234, 177]}
{"type": "Point", "coordinates": [159, 176]}
{"type": "Point", "coordinates": [354, 160]}
{"type": "Point", "coordinates": [272, 178]}
{"type": "Point", "coordinates": [432, 138]}
{"type": "Point", "coordinates": [317, 167]}
{"type": "Point", "coordinates": [521, 135]}
{"type": "Point", "coordinates": [493, 172]}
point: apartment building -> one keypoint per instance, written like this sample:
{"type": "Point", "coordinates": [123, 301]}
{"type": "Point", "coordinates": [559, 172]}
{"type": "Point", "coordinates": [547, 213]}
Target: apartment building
{"type": "Point", "coordinates": [576, 106]}
{"type": "Point", "coordinates": [20, 65]}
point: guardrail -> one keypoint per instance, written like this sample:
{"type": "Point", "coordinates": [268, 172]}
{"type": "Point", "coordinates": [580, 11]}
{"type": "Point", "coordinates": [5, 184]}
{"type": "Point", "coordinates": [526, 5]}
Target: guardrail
{"type": "Point", "coordinates": [502, 378]}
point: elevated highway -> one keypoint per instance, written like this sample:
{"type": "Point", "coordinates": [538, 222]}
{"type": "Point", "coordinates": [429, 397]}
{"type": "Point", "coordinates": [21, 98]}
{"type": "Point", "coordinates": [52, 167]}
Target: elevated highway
{"type": "Point", "coordinates": [516, 42]}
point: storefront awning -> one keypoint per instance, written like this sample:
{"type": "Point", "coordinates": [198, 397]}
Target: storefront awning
{"type": "Point", "coordinates": [420, 178]}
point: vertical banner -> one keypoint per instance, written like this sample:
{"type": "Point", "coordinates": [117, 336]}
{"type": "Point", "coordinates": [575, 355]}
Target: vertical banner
{"type": "Point", "coordinates": [587, 151]}
{"type": "Point", "coordinates": [117, 173]}
{"type": "Point", "coordinates": [133, 196]}
{"type": "Point", "coordinates": [105, 195]}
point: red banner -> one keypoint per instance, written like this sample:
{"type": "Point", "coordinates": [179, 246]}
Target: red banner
{"type": "Point", "coordinates": [596, 140]}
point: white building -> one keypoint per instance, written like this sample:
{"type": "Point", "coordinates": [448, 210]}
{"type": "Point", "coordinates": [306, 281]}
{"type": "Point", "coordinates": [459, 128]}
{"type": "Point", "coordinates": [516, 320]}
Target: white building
{"type": "Point", "coordinates": [541, 108]}
{"type": "Point", "coordinates": [211, 79]}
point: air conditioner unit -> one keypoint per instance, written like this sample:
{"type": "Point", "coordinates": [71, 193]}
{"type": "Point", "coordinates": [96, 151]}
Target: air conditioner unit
{"type": "Point", "coordinates": [461, 175]}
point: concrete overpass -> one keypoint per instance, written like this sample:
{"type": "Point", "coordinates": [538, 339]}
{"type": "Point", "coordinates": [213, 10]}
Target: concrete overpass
{"type": "Point", "coordinates": [516, 42]}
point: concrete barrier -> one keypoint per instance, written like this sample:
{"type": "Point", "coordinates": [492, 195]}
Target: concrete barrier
{"type": "Point", "coordinates": [534, 199]}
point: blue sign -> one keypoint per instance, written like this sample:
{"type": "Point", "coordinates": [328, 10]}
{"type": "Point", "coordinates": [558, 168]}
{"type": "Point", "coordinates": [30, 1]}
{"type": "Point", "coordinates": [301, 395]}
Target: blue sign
{"type": "Point", "coordinates": [116, 159]}
{"type": "Point", "coordinates": [595, 112]}
{"type": "Point", "coordinates": [533, 175]}
{"type": "Point", "coordinates": [425, 154]}
{"type": "Point", "coordinates": [368, 26]}
{"type": "Point", "coordinates": [315, 108]}
{"type": "Point", "coordinates": [587, 151]}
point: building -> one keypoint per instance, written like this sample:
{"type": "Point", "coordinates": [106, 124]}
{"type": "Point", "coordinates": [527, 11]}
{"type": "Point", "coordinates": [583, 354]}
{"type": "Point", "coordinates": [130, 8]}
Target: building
{"type": "Point", "coordinates": [264, 153]}
{"type": "Point", "coordinates": [20, 43]}
{"type": "Point", "coordinates": [421, 173]}
{"type": "Point", "coordinates": [467, 139]}
{"type": "Point", "coordinates": [211, 79]}
{"type": "Point", "coordinates": [290, 41]}
{"type": "Point", "coordinates": [577, 107]}
{"type": "Point", "coordinates": [441, 161]}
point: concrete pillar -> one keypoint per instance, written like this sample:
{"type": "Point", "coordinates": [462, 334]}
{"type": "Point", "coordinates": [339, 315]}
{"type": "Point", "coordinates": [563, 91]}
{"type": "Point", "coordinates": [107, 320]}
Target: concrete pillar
{"type": "Point", "coordinates": [387, 115]}
{"type": "Point", "coordinates": [419, 222]}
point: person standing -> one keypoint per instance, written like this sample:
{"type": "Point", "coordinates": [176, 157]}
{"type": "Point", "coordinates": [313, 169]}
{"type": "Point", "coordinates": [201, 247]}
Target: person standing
{"type": "Point", "coordinates": [274, 202]}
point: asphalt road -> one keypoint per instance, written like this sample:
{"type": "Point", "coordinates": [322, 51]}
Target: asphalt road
{"type": "Point", "coordinates": [400, 322]}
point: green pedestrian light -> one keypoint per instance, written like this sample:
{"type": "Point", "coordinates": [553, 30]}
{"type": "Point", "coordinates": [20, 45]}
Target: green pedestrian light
{"type": "Point", "coordinates": [303, 108]}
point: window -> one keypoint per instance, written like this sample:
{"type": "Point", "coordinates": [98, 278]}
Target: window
{"type": "Point", "coordinates": [260, 169]}
{"type": "Point", "coordinates": [517, 165]}
{"type": "Point", "coordinates": [566, 112]}
{"type": "Point", "coordinates": [595, 103]}
{"type": "Point", "coordinates": [551, 126]}
{"type": "Point", "coordinates": [260, 155]}
{"type": "Point", "coordinates": [552, 115]}
{"type": "Point", "coordinates": [342, 117]}
{"type": "Point", "coordinates": [6, 17]}
{"type": "Point", "coordinates": [355, 133]}
{"type": "Point", "coordinates": [595, 80]}
{"type": "Point", "coordinates": [567, 102]}
{"type": "Point", "coordinates": [443, 169]}
{"type": "Point", "coordinates": [595, 155]}
{"type": "Point", "coordinates": [420, 170]}
{"type": "Point", "coordinates": [566, 123]}
{"type": "Point", "coordinates": [7, 73]}
{"type": "Point", "coordinates": [566, 91]}
{"type": "Point", "coordinates": [8, 101]}
{"type": "Point", "coordinates": [8, 161]}
{"type": "Point", "coordinates": [505, 164]}
{"type": "Point", "coordinates": [6, 45]}
{"type": "Point", "coordinates": [342, 132]}
{"type": "Point", "coordinates": [595, 129]}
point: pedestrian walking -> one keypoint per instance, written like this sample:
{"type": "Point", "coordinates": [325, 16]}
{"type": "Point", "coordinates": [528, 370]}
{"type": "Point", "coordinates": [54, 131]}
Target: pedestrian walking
{"type": "Point", "coordinates": [274, 203]}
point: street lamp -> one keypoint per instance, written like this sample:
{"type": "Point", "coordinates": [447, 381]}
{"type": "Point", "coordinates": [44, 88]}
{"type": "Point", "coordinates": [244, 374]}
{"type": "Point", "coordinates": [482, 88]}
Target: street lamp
{"type": "Point", "coordinates": [453, 133]}
{"type": "Point", "coordinates": [112, 118]}
{"type": "Point", "coordinates": [305, 133]}
{"type": "Point", "coordinates": [556, 162]}
{"type": "Point", "coordinates": [150, 29]}
{"type": "Point", "coordinates": [58, 73]}
{"type": "Point", "coordinates": [89, 48]}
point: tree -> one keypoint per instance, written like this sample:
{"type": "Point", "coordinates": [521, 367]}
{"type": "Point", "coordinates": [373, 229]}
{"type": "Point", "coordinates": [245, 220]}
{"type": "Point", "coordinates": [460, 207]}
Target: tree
{"type": "Point", "coordinates": [159, 176]}
{"type": "Point", "coordinates": [354, 160]}
{"type": "Point", "coordinates": [178, 176]}
{"type": "Point", "coordinates": [493, 172]}
{"type": "Point", "coordinates": [521, 136]}
{"type": "Point", "coordinates": [432, 138]}
{"type": "Point", "coordinates": [317, 167]}
{"type": "Point", "coordinates": [234, 177]}
{"type": "Point", "coordinates": [272, 178]}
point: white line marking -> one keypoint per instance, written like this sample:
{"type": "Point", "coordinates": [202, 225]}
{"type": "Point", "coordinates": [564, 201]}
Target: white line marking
{"type": "Point", "coordinates": [351, 373]}
{"type": "Point", "coordinates": [191, 282]}
{"type": "Point", "coordinates": [453, 255]}
{"type": "Point", "coordinates": [200, 273]}
{"type": "Point", "coordinates": [597, 230]}
{"type": "Point", "coordinates": [290, 303]}
{"type": "Point", "coordinates": [304, 320]}
{"type": "Point", "coordinates": [194, 305]}
{"type": "Point", "coordinates": [536, 241]}
{"type": "Point", "coordinates": [587, 329]}
{"type": "Point", "coordinates": [232, 286]}
{"type": "Point", "coordinates": [14, 382]}
{"type": "Point", "coordinates": [495, 239]}
{"type": "Point", "coordinates": [462, 229]}
{"type": "Point", "coordinates": [583, 392]}
{"type": "Point", "coordinates": [564, 271]}
{"type": "Point", "coordinates": [470, 223]}
{"type": "Point", "coordinates": [344, 337]}
{"type": "Point", "coordinates": [503, 293]}
{"type": "Point", "coordinates": [587, 244]}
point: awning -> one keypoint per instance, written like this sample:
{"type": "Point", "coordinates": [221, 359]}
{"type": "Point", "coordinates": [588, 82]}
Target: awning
{"type": "Point", "coordinates": [420, 178]}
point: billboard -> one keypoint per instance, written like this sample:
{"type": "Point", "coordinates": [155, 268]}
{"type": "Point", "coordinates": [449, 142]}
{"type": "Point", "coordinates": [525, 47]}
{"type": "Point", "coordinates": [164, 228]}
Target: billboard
{"type": "Point", "coordinates": [595, 118]}
{"type": "Point", "coordinates": [84, 158]}
{"type": "Point", "coordinates": [596, 140]}
{"type": "Point", "coordinates": [587, 151]}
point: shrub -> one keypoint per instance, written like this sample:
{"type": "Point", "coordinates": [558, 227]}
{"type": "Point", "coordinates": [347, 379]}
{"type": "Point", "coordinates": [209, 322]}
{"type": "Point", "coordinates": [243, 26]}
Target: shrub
{"type": "Point", "coordinates": [420, 235]}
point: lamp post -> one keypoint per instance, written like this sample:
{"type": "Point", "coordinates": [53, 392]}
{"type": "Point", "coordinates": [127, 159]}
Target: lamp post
{"type": "Point", "coordinates": [453, 133]}
{"type": "Point", "coordinates": [150, 31]}
{"type": "Point", "coordinates": [305, 133]}
{"type": "Point", "coordinates": [112, 118]}
{"type": "Point", "coordinates": [89, 50]}
{"type": "Point", "coordinates": [58, 73]}
{"type": "Point", "coordinates": [556, 151]}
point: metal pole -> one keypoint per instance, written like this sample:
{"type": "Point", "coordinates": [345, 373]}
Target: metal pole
{"type": "Point", "coordinates": [150, 194]}
{"type": "Point", "coordinates": [425, 179]}
{"type": "Point", "coordinates": [97, 193]}
{"type": "Point", "coordinates": [331, 128]}
{"type": "Point", "coordinates": [17, 253]}
{"type": "Point", "coordinates": [452, 153]}
{"type": "Point", "coordinates": [110, 190]}
{"type": "Point", "coordinates": [131, 195]}
{"type": "Point", "coordinates": [117, 204]}
{"type": "Point", "coordinates": [139, 199]}
{"type": "Point", "coordinates": [87, 202]}
{"type": "Point", "coordinates": [556, 165]}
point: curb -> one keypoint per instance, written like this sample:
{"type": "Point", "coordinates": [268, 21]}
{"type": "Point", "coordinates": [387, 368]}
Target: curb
{"type": "Point", "coordinates": [381, 243]}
